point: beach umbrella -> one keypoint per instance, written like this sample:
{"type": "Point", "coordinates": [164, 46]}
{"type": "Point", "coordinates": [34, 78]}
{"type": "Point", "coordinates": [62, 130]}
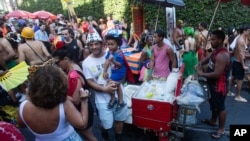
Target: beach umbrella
{"type": "Point", "coordinates": [19, 14]}
{"type": "Point", "coordinates": [245, 2]}
{"type": "Point", "coordinates": [15, 76]}
{"type": "Point", "coordinates": [44, 15]}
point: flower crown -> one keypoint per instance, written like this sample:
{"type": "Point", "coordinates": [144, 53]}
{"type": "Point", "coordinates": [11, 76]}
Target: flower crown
{"type": "Point", "coordinates": [32, 69]}
{"type": "Point", "coordinates": [59, 45]}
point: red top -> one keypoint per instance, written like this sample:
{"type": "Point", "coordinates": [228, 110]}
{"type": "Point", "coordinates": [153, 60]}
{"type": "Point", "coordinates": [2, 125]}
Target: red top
{"type": "Point", "coordinates": [73, 77]}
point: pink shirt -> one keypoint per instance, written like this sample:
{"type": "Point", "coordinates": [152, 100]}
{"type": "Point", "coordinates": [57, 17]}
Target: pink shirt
{"type": "Point", "coordinates": [161, 68]}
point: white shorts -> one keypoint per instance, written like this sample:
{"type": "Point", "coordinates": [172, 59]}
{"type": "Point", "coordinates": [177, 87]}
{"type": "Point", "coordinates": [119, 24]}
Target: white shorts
{"type": "Point", "coordinates": [108, 116]}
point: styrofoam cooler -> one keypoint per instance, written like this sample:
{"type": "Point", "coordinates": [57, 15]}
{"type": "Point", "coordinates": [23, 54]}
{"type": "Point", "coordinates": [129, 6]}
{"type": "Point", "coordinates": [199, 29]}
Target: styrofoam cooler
{"type": "Point", "coordinates": [129, 91]}
{"type": "Point", "coordinates": [153, 114]}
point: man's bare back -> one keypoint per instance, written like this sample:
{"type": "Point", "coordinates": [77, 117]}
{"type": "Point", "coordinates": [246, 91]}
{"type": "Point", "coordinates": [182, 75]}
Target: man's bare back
{"type": "Point", "coordinates": [6, 51]}
{"type": "Point", "coordinates": [26, 53]}
{"type": "Point", "coordinates": [203, 37]}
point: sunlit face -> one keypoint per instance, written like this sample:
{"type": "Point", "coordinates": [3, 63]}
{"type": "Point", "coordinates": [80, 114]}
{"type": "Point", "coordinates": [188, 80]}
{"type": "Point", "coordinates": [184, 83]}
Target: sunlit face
{"type": "Point", "coordinates": [96, 48]}
{"type": "Point", "coordinates": [108, 18]}
{"type": "Point", "coordinates": [42, 27]}
{"type": "Point", "coordinates": [112, 45]}
{"type": "Point", "coordinates": [150, 40]}
{"type": "Point", "coordinates": [248, 32]}
{"type": "Point", "coordinates": [66, 34]}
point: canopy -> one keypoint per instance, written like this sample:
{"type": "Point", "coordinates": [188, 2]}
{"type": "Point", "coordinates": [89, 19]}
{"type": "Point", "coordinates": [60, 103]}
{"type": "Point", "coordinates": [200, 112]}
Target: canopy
{"type": "Point", "coordinates": [20, 14]}
{"type": "Point", "coordinates": [166, 3]}
{"type": "Point", "coordinates": [44, 15]}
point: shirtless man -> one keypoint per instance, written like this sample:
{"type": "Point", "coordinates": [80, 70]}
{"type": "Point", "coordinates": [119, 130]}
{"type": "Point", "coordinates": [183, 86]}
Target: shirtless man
{"type": "Point", "coordinates": [203, 35]}
{"type": "Point", "coordinates": [239, 67]}
{"type": "Point", "coordinates": [38, 55]}
{"type": "Point", "coordinates": [178, 35]}
{"type": "Point", "coordinates": [6, 52]}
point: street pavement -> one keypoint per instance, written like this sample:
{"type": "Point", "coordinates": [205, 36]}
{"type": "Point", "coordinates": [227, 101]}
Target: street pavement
{"type": "Point", "coordinates": [237, 113]}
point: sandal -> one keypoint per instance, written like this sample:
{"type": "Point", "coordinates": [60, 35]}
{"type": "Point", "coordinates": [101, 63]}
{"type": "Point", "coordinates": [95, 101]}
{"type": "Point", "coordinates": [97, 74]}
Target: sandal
{"type": "Point", "coordinates": [112, 103]}
{"type": "Point", "coordinates": [208, 122]}
{"type": "Point", "coordinates": [217, 135]}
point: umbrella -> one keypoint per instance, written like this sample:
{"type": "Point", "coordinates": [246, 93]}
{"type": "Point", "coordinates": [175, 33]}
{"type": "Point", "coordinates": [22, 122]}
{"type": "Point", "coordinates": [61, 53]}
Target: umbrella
{"type": "Point", "coordinates": [20, 14]}
{"type": "Point", "coordinates": [166, 3]}
{"type": "Point", "coordinates": [15, 76]}
{"type": "Point", "coordinates": [45, 15]}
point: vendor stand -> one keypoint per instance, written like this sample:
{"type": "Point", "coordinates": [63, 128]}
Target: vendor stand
{"type": "Point", "coordinates": [153, 112]}
{"type": "Point", "coordinates": [154, 107]}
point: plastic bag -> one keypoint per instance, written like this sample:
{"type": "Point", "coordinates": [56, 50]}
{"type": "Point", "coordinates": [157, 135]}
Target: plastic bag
{"type": "Point", "coordinates": [155, 90]}
{"type": "Point", "coordinates": [172, 82]}
{"type": "Point", "coordinates": [193, 87]}
{"type": "Point", "coordinates": [190, 99]}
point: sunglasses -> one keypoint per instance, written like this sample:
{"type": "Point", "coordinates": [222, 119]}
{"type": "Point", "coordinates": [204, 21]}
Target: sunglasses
{"type": "Point", "coordinates": [58, 61]}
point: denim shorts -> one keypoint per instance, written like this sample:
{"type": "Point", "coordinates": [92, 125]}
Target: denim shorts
{"type": "Point", "coordinates": [108, 116]}
{"type": "Point", "coordinates": [74, 137]}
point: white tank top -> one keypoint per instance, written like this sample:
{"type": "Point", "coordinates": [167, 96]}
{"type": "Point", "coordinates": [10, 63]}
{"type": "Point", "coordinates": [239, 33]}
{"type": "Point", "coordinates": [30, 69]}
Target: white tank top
{"type": "Point", "coordinates": [63, 130]}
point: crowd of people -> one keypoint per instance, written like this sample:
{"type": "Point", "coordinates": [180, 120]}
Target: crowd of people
{"type": "Point", "coordinates": [72, 61]}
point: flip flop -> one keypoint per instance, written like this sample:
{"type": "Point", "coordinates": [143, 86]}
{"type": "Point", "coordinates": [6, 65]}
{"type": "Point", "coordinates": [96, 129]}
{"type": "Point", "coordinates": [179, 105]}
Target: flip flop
{"type": "Point", "coordinates": [217, 135]}
{"type": "Point", "coordinates": [208, 122]}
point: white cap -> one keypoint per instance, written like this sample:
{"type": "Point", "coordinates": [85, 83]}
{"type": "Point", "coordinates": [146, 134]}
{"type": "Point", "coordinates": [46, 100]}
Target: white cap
{"type": "Point", "coordinates": [62, 22]}
{"type": "Point", "coordinates": [93, 35]}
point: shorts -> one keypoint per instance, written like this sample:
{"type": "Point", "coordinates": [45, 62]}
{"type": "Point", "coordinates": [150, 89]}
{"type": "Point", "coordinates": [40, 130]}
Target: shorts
{"type": "Point", "coordinates": [11, 63]}
{"type": "Point", "coordinates": [217, 100]}
{"type": "Point", "coordinates": [73, 137]}
{"type": "Point", "coordinates": [238, 71]}
{"type": "Point", "coordinates": [108, 116]}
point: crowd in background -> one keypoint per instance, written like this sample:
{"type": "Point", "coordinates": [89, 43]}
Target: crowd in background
{"type": "Point", "coordinates": [78, 47]}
